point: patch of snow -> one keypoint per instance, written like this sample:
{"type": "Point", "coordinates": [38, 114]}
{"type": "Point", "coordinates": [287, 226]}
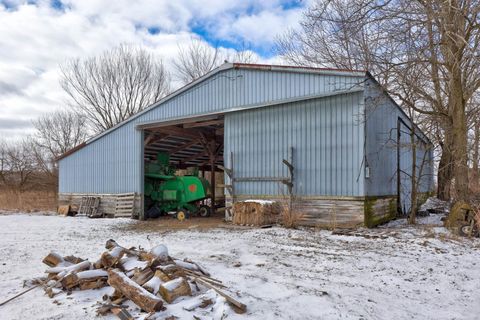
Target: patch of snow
{"type": "Point", "coordinates": [154, 283]}
{"type": "Point", "coordinates": [262, 202]}
{"type": "Point", "coordinates": [435, 205]}
{"type": "Point", "coordinates": [160, 251]}
{"type": "Point", "coordinates": [172, 284]}
{"type": "Point", "coordinates": [92, 274]}
{"type": "Point", "coordinates": [116, 252]}
{"type": "Point", "coordinates": [185, 265]}
{"type": "Point", "coordinates": [131, 263]}
{"type": "Point", "coordinates": [411, 272]}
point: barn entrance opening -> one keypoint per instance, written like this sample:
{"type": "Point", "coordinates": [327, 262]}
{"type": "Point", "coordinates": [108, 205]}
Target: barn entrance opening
{"type": "Point", "coordinates": [182, 175]}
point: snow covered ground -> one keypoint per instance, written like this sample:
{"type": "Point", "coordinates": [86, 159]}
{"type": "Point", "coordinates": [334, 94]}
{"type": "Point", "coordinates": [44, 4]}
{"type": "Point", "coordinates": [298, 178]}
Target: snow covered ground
{"type": "Point", "coordinates": [393, 272]}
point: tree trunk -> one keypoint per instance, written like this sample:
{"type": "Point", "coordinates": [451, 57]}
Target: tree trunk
{"type": "Point", "coordinates": [445, 169]}
{"type": "Point", "coordinates": [414, 195]}
{"type": "Point", "coordinates": [475, 157]}
{"type": "Point", "coordinates": [460, 137]}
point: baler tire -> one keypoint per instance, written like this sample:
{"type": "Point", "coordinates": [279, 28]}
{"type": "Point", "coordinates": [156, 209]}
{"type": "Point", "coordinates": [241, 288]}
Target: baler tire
{"type": "Point", "coordinates": [181, 215]}
{"type": "Point", "coordinates": [466, 230]}
{"type": "Point", "coordinates": [204, 211]}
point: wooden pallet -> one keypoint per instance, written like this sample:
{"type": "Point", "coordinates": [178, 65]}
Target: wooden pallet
{"type": "Point", "coordinates": [89, 207]}
{"type": "Point", "coordinates": [125, 204]}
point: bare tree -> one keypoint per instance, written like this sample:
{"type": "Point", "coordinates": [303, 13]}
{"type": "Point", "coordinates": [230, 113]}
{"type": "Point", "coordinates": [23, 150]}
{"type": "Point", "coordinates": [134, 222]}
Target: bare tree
{"type": "Point", "coordinates": [198, 58]}
{"type": "Point", "coordinates": [60, 131]}
{"type": "Point", "coordinates": [56, 133]}
{"type": "Point", "coordinates": [111, 87]}
{"type": "Point", "coordinates": [430, 46]}
{"type": "Point", "coordinates": [17, 165]}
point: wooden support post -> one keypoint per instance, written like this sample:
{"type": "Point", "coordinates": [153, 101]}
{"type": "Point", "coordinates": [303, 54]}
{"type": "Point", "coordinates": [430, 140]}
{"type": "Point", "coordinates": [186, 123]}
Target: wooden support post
{"type": "Point", "coordinates": [212, 183]}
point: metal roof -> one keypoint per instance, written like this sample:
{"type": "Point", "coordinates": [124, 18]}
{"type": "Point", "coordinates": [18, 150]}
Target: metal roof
{"type": "Point", "coordinates": [225, 66]}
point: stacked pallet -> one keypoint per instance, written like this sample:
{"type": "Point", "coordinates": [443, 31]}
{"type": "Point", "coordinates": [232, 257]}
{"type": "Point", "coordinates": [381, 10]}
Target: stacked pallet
{"type": "Point", "coordinates": [256, 212]}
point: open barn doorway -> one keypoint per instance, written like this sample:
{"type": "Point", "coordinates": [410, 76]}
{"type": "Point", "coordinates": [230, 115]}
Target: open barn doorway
{"type": "Point", "coordinates": [181, 176]}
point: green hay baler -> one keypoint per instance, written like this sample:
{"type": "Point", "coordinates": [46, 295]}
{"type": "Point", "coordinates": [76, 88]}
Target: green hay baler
{"type": "Point", "coordinates": [167, 193]}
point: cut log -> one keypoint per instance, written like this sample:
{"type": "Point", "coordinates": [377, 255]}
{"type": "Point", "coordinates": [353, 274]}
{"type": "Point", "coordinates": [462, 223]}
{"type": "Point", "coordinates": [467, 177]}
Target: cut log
{"type": "Point", "coordinates": [175, 288]}
{"type": "Point", "coordinates": [110, 258]}
{"type": "Point", "coordinates": [93, 284]}
{"type": "Point", "coordinates": [89, 276]}
{"type": "Point", "coordinates": [53, 259]}
{"type": "Point", "coordinates": [153, 285]}
{"type": "Point", "coordinates": [143, 276]}
{"type": "Point", "coordinates": [70, 281]}
{"type": "Point", "coordinates": [173, 271]}
{"type": "Point", "coordinates": [63, 271]}
{"type": "Point", "coordinates": [141, 297]}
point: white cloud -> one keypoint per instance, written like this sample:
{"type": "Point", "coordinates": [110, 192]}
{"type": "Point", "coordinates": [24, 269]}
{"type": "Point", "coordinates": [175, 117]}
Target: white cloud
{"type": "Point", "coordinates": [36, 38]}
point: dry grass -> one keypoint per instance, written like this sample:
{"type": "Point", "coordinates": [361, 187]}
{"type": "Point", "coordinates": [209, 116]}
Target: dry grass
{"type": "Point", "coordinates": [28, 201]}
{"type": "Point", "coordinates": [333, 218]}
{"type": "Point", "coordinates": [291, 217]}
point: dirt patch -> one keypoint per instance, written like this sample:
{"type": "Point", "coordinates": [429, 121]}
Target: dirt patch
{"type": "Point", "coordinates": [170, 223]}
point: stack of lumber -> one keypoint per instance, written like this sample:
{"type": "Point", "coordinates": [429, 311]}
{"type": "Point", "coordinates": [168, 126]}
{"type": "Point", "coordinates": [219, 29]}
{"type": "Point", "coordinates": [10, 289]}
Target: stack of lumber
{"type": "Point", "coordinates": [150, 279]}
{"type": "Point", "coordinates": [256, 212]}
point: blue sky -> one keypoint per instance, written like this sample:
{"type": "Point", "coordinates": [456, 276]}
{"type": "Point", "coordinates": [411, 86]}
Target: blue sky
{"type": "Point", "coordinates": [38, 36]}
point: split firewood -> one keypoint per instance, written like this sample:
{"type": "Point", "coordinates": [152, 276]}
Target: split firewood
{"type": "Point", "coordinates": [143, 276]}
{"type": "Point", "coordinates": [53, 259]}
{"type": "Point", "coordinates": [89, 276]}
{"type": "Point", "coordinates": [173, 271]}
{"type": "Point", "coordinates": [106, 308]}
{"type": "Point", "coordinates": [112, 244]}
{"type": "Point", "coordinates": [94, 284]}
{"type": "Point", "coordinates": [122, 314]}
{"type": "Point", "coordinates": [128, 264]}
{"type": "Point", "coordinates": [63, 271]}
{"type": "Point", "coordinates": [209, 280]}
{"type": "Point", "coordinates": [73, 259]}
{"type": "Point", "coordinates": [175, 288]}
{"type": "Point", "coordinates": [153, 285]}
{"type": "Point", "coordinates": [97, 264]}
{"type": "Point", "coordinates": [201, 301]}
{"type": "Point", "coordinates": [110, 258]}
{"type": "Point", "coordinates": [141, 297]}
{"type": "Point", "coordinates": [239, 307]}
{"type": "Point", "coordinates": [199, 266]}
{"type": "Point", "coordinates": [186, 265]}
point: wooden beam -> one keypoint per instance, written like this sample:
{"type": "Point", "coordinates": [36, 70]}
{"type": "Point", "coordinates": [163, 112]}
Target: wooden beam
{"type": "Point", "coordinates": [195, 156]}
{"type": "Point", "coordinates": [182, 132]}
{"type": "Point", "coordinates": [203, 124]}
{"type": "Point", "coordinates": [184, 146]}
{"type": "Point", "coordinates": [154, 137]}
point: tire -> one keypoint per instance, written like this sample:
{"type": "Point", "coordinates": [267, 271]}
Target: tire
{"type": "Point", "coordinates": [466, 230]}
{"type": "Point", "coordinates": [181, 215]}
{"type": "Point", "coordinates": [204, 211]}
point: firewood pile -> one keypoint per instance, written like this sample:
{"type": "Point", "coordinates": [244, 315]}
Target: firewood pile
{"type": "Point", "coordinates": [152, 280]}
{"type": "Point", "coordinates": [256, 212]}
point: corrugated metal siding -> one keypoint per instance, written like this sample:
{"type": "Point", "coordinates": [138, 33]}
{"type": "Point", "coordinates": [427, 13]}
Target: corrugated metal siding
{"type": "Point", "coordinates": [112, 163]}
{"type": "Point", "coordinates": [327, 139]}
{"type": "Point", "coordinates": [381, 146]}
